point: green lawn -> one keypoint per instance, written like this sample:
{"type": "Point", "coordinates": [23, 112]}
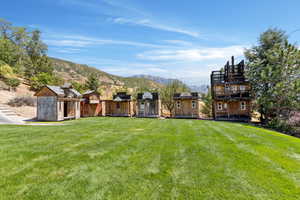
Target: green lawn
{"type": "Point", "coordinates": [123, 158]}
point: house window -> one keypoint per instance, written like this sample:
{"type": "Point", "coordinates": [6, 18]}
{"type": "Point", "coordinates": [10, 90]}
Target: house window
{"type": "Point", "coordinates": [193, 104]}
{"type": "Point", "coordinates": [118, 105]}
{"type": "Point", "coordinates": [178, 104]}
{"type": "Point", "coordinates": [243, 105]}
{"type": "Point", "coordinates": [234, 88]}
{"type": "Point", "coordinates": [220, 106]}
{"type": "Point", "coordinates": [242, 88]}
{"type": "Point", "coordinates": [227, 88]}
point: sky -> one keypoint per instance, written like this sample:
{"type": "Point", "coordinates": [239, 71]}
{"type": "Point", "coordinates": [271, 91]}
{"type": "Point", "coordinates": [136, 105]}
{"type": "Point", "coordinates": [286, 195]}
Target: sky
{"type": "Point", "coordinates": [168, 38]}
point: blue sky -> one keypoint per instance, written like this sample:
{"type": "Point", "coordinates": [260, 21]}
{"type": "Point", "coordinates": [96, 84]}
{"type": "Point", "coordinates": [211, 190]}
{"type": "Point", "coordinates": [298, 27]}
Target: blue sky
{"type": "Point", "coordinates": [168, 38]}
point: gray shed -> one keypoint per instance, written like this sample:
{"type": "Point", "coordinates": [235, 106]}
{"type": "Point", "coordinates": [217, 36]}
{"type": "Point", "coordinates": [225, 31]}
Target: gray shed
{"type": "Point", "coordinates": [56, 103]}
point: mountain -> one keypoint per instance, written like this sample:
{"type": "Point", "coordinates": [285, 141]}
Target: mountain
{"type": "Point", "coordinates": [165, 81]}
{"type": "Point", "coordinates": [157, 79]}
{"type": "Point", "coordinates": [199, 88]}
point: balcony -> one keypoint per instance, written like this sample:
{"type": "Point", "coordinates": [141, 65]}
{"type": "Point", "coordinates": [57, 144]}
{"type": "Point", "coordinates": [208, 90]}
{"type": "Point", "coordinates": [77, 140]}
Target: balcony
{"type": "Point", "coordinates": [236, 94]}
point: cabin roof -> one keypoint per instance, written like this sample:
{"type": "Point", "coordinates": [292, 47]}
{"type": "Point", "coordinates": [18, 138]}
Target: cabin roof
{"type": "Point", "coordinates": [61, 91]}
{"type": "Point", "coordinates": [148, 95]}
{"type": "Point", "coordinates": [187, 95]}
{"type": "Point", "coordinates": [56, 89]}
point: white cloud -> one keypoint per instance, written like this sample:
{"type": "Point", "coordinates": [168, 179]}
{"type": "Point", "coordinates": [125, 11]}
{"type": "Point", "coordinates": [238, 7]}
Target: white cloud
{"type": "Point", "coordinates": [155, 25]}
{"type": "Point", "coordinates": [194, 54]}
{"type": "Point", "coordinates": [83, 41]}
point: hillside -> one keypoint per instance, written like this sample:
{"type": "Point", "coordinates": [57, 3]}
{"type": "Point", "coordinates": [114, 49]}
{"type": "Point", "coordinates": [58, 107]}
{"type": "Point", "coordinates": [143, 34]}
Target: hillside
{"type": "Point", "coordinates": [80, 72]}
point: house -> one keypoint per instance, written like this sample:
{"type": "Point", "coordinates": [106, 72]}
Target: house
{"type": "Point", "coordinates": [122, 105]}
{"type": "Point", "coordinates": [56, 103]}
{"type": "Point", "coordinates": [187, 105]}
{"type": "Point", "coordinates": [148, 105]}
{"type": "Point", "coordinates": [92, 106]}
{"type": "Point", "coordinates": [231, 93]}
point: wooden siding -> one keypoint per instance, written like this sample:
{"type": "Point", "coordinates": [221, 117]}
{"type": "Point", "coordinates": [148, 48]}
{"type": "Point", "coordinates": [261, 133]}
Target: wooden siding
{"type": "Point", "coordinates": [47, 108]}
{"type": "Point", "coordinates": [148, 108]}
{"type": "Point", "coordinates": [185, 110]}
{"type": "Point", "coordinates": [91, 110]}
{"type": "Point", "coordinates": [233, 109]}
{"type": "Point", "coordinates": [123, 108]}
{"type": "Point", "coordinates": [45, 92]}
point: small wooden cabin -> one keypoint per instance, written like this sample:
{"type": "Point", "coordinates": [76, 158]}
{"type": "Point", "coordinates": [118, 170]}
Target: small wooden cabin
{"type": "Point", "coordinates": [56, 103]}
{"type": "Point", "coordinates": [121, 105]}
{"type": "Point", "coordinates": [187, 105]}
{"type": "Point", "coordinates": [231, 93]}
{"type": "Point", "coordinates": [92, 106]}
{"type": "Point", "coordinates": [148, 105]}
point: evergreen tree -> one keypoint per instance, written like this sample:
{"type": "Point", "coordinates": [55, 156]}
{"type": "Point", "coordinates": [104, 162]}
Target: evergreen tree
{"type": "Point", "coordinates": [93, 83]}
{"type": "Point", "coordinates": [273, 68]}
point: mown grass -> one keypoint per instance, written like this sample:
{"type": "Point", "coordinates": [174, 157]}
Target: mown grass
{"type": "Point", "coordinates": [123, 158]}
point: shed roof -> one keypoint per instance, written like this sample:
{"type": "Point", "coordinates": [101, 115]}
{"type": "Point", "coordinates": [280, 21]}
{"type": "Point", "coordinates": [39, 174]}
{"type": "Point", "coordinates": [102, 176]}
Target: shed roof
{"type": "Point", "coordinates": [187, 95]}
{"type": "Point", "coordinates": [62, 91]}
{"type": "Point", "coordinates": [122, 96]}
{"type": "Point", "coordinates": [148, 95]}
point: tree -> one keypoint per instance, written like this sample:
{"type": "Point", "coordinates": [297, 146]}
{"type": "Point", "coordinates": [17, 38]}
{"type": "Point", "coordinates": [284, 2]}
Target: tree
{"type": "Point", "coordinates": [93, 83]}
{"type": "Point", "coordinates": [42, 79]}
{"type": "Point", "coordinates": [79, 87]}
{"type": "Point", "coordinates": [167, 94]}
{"type": "Point", "coordinates": [273, 68]}
{"type": "Point", "coordinates": [207, 100]}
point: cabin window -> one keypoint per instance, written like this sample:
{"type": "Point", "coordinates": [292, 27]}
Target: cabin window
{"type": "Point", "coordinates": [178, 104]}
{"type": "Point", "coordinates": [118, 105]}
{"type": "Point", "coordinates": [193, 104]}
{"type": "Point", "coordinates": [220, 106]}
{"type": "Point", "coordinates": [243, 105]}
{"type": "Point", "coordinates": [242, 88]}
{"type": "Point", "coordinates": [225, 105]}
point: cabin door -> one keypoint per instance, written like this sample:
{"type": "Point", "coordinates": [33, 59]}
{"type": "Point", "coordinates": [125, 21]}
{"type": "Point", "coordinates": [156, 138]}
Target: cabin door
{"type": "Point", "coordinates": [65, 109]}
{"type": "Point", "coordinates": [142, 108]}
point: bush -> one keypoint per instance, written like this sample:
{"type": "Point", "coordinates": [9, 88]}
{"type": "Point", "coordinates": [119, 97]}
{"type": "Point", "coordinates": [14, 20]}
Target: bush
{"type": "Point", "coordinates": [22, 101]}
{"type": "Point", "coordinates": [280, 125]}
{"type": "Point", "coordinates": [295, 119]}
{"type": "Point", "coordinates": [6, 71]}
{"type": "Point", "coordinates": [13, 83]}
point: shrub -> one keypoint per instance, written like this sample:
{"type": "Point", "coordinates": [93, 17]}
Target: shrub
{"type": "Point", "coordinates": [295, 119]}
{"type": "Point", "coordinates": [280, 125]}
{"type": "Point", "coordinates": [13, 83]}
{"type": "Point", "coordinates": [6, 71]}
{"type": "Point", "coordinates": [22, 101]}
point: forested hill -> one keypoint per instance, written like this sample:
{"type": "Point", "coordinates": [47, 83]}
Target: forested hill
{"type": "Point", "coordinates": [80, 73]}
